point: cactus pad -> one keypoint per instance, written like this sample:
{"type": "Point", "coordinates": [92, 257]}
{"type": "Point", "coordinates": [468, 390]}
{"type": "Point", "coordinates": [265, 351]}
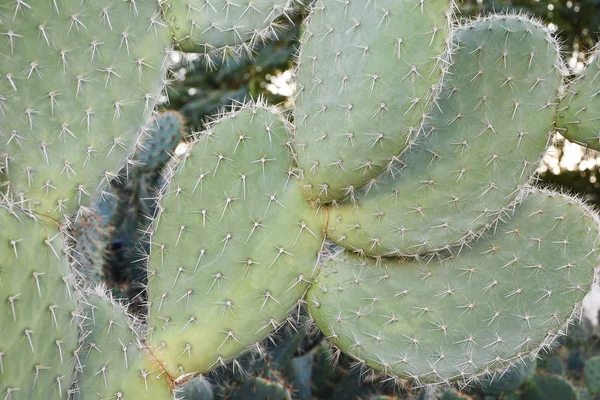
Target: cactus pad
{"type": "Point", "coordinates": [79, 80]}
{"type": "Point", "coordinates": [364, 78]}
{"type": "Point", "coordinates": [162, 136]}
{"type": "Point", "coordinates": [483, 140]}
{"type": "Point", "coordinates": [234, 247]}
{"type": "Point", "coordinates": [550, 387]}
{"type": "Point", "coordinates": [203, 26]}
{"type": "Point", "coordinates": [38, 305]}
{"type": "Point", "coordinates": [116, 365]}
{"type": "Point", "coordinates": [592, 375]}
{"type": "Point", "coordinates": [579, 113]}
{"type": "Point", "coordinates": [506, 297]}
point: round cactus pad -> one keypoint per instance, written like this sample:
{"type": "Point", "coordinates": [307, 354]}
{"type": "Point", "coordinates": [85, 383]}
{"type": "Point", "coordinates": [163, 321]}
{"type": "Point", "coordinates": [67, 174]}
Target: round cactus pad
{"type": "Point", "coordinates": [208, 25]}
{"type": "Point", "coordinates": [579, 112]}
{"type": "Point", "coordinates": [507, 296]}
{"type": "Point", "coordinates": [365, 77]}
{"type": "Point", "coordinates": [235, 245]}
{"type": "Point", "coordinates": [482, 141]}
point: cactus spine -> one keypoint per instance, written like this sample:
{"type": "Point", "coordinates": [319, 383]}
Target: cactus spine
{"type": "Point", "coordinates": [235, 243]}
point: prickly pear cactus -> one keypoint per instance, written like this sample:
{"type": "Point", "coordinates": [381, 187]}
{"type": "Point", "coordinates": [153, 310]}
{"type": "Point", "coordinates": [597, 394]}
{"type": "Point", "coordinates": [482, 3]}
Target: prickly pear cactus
{"type": "Point", "coordinates": [117, 365]}
{"type": "Point", "coordinates": [405, 143]}
{"type": "Point", "coordinates": [260, 388]}
{"type": "Point", "coordinates": [579, 115]}
{"type": "Point", "coordinates": [158, 141]}
{"type": "Point", "coordinates": [366, 76]}
{"type": "Point", "coordinates": [205, 26]}
{"type": "Point", "coordinates": [592, 375]}
{"type": "Point", "coordinates": [506, 297]}
{"type": "Point", "coordinates": [235, 244]}
{"type": "Point", "coordinates": [39, 312]}
{"type": "Point", "coordinates": [90, 235]}
{"type": "Point", "coordinates": [80, 79]}
{"type": "Point", "coordinates": [478, 146]}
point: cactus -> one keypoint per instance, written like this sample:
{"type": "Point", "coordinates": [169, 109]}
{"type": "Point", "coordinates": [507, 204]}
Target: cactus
{"type": "Point", "coordinates": [219, 25]}
{"type": "Point", "coordinates": [161, 138]}
{"type": "Point", "coordinates": [592, 375]}
{"type": "Point", "coordinates": [196, 389]}
{"type": "Point", "coordinates": [550, 387]}
{"type": "Point", "coordinates": [480, 146]}
{"type": "Point", "coordinates": [365, 77]}
{"type": "Point", "coordinates": [578, 116]}
{"type": "Point", "coordinates": [90, 235]}
{"type": "Point", "coordinates": [70, 115]}
{"type": "Point", "coordinates": [236, 243]}
{"type": "Point", "coordinates": [469, 312]}
{"type": "Point", "coordinates": [39, 309]}
{"type": "Point", "coordinates": [251, 243]}
{"type": "Point", "coordinates": [260, 388]}
{"type": "Point", "coordinates": [115, 364]}
{"type": "Point", "coordinates": [123, 211]}
{"type": "Point", "coordinates": [509, 381]}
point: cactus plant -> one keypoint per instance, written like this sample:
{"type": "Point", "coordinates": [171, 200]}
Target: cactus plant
{"type": "Point", "coordinates": [578, 116]}
{"type": "Point", "coordinates": [550, 387]}
{"type": "Point", "coordinates": [123, 211]}
{"type": "Point", "coordinates": [592, 375]}
{"type": "Point", "coordinates": [478, 147]}
{"type": "Point", "coordinates": [63, 140]}
{"type": "Point", "coordinates": [39, 309]}
{"type": "Point", "coordinates": [470, 312]}
{"type": "Point", "coordinates": [237, 237]}
{"type": "Point", "coordinates": [364, 88]}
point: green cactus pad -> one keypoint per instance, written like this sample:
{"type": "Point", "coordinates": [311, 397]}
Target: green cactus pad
{"type": "Point", "coordinates": [579, 113]}
{"type": "Point", "coordinates": [505, 298]}
{"type": "Point", "coordinates": [482, 142]}
{"type": "Point", "coordinates": [365, 77]}
{"type": "Point", "coordinates": [79, 81]}
{"type": "Point", "coordinates": [162, 136]}
{"type": "Point", "coordinates": [38, 331]}
{"type": "Point", "coordinates": [592, 375]}
{"type": "Point", "coordinates": [202, 26]}
{"type": "Point", "coordinates": [234, 247]}
{"type": "Point", "coordinates": [116, 365]}
{"type": "Point", "coordinates": [550, 387]}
